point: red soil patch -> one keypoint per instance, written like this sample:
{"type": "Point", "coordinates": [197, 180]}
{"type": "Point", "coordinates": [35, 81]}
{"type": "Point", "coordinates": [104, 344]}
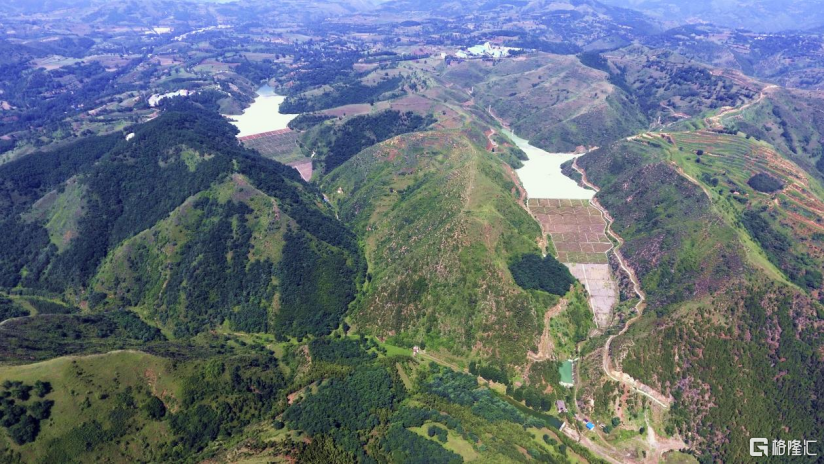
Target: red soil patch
{"type": "Point", "coordinates": [304, 168]}
{"type": "Point", "coordinates": [349, 110]}
{"type": "Point", "coordinates": [264, 134]}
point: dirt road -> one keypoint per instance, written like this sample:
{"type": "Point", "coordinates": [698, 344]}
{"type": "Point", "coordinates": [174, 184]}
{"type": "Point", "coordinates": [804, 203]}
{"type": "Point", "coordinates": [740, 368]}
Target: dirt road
{"type": "Point", "coordinates": [615, 374]}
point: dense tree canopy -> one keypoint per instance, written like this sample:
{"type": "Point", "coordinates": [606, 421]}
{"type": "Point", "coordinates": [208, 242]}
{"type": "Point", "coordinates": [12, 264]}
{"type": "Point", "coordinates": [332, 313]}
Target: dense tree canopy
{"type": "Point", "coordinates": [532, 272]}
{"type": "Point", "coordinates": [765, 183]}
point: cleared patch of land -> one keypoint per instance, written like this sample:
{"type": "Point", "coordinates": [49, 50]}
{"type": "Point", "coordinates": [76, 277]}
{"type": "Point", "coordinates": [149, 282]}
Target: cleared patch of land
{"type": "Point", "coordinates": [603, 292]}
{"type": "Point", "coordinates": [578, 233]}
{"type": "Point", "coordinates": [304, 168]}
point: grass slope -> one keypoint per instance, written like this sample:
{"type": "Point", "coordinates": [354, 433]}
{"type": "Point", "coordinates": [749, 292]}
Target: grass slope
{"type": "Point", "coordinates": [440, 225]}
{"type": "Point", "coordinates": [92, 388]}
{"type": "Point", "coordinates": [554, 101]}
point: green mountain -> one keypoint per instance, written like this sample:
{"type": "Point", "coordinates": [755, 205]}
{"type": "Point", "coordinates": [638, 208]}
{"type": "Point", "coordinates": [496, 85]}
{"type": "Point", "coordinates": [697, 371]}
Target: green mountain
{"type": "Point", "coordinates": [554, 101]}
{"type": "Point", "coordinates": [167, 243]}
{"type": "Point", "coordinates": [181, 224]}
{"type": "Point", "coordinates": [441, 223]}
{"type": "Point", "coordinates": [733, 321]}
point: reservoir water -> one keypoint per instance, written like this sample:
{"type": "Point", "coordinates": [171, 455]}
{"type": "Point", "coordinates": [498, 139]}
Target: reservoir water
{"type": "Point", "coordinates": [541, 175]}
{"type": "Point", "coordinates": [263, 115]}
{"type": "Point", "coordinates": [576, 227]}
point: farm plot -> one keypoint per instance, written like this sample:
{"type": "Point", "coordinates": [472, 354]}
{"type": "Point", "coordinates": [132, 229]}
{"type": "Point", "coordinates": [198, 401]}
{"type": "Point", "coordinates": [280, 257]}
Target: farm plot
{"type": "Point", "coordinates": [279, 145]}
{"type": "Point", "coordinates": [578, 234]}
{"type": "Point", "coordinates": [576, 228]}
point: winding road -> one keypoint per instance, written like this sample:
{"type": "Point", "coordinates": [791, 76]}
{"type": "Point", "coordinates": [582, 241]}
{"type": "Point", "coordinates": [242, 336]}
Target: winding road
{"type": "Point", "coordinates": [615, 374]}
{"type": "Point", "coordinates": [714, 122]}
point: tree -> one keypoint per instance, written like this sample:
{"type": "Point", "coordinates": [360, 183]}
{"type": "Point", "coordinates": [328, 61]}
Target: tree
{"type": "Point", "coordinates": [22, 392]}
{"type": "Point", "coordinates": [42, 389]}
{"type": "Point", "coordinates": [439, 432]}
{"type": "Point", "coordinates": [25, 431]}
{"type": "Point", "coordinates": [155, 408]}
{"type": "Point", "coordinates": [41, 410]}
{"type": "Point", "coordinates": [765, 183]}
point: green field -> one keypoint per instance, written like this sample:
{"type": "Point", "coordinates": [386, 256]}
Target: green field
{"type": "Point", "coordinates": [566, 372]}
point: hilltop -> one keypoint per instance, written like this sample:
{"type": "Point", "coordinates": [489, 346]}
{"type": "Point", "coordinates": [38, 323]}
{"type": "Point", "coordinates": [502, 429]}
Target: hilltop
{"type": "Point", "coordinates": [441, 225]}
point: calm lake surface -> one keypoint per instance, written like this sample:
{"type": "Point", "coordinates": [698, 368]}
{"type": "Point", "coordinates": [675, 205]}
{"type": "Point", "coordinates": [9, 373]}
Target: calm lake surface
{"type": "Point", "coordinates": [263, 115]}
{"type": "Point", "coordinates": [541, 175]}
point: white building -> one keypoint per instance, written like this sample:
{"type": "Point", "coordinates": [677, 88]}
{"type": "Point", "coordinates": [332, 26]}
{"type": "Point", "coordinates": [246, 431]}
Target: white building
{"type": "Point", "coordinates": [155, 99]}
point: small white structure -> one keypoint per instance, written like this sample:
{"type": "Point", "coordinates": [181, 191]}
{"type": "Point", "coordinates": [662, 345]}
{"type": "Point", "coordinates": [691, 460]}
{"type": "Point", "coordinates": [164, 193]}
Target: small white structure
{"type": "Point", "coordinates": [129, 136]}
{"type": "Point", "coordinates": [155, 99]}
{"type": "Point", "coordinates": [202, 29]}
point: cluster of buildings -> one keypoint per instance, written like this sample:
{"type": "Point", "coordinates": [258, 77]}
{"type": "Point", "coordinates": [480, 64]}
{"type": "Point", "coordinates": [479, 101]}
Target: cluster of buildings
{"type": "Point", "coordinates": [487, 50]}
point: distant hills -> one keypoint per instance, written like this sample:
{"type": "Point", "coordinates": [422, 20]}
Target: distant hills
{"type": "Point", "coordinates": [756, 15]}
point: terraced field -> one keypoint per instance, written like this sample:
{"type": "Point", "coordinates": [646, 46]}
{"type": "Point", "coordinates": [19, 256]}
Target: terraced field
{"type": "Point", "coordinates": [279, 144]}
{"type": "Point", "coordinates": [724, 169]}
{"type": "Point", "coordinates": [737, 159]}
{"type": "Point", "coordinates": [576, 228]}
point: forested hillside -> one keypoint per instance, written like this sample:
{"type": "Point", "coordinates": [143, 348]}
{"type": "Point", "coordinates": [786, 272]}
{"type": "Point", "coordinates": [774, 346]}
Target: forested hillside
{"type": "Point", "coordinates": [183, 225]}
{"type": "Point", "coordinates": [722, 322]}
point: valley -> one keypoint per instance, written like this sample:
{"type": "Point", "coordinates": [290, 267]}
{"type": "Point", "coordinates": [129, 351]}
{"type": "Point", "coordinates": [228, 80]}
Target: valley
{"type": "Point", "coordinates": [577, 227]}
{"type": "Point", "coordinates": [576, 231]}
{"type": "Point", "coordinates": [413, 232]}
